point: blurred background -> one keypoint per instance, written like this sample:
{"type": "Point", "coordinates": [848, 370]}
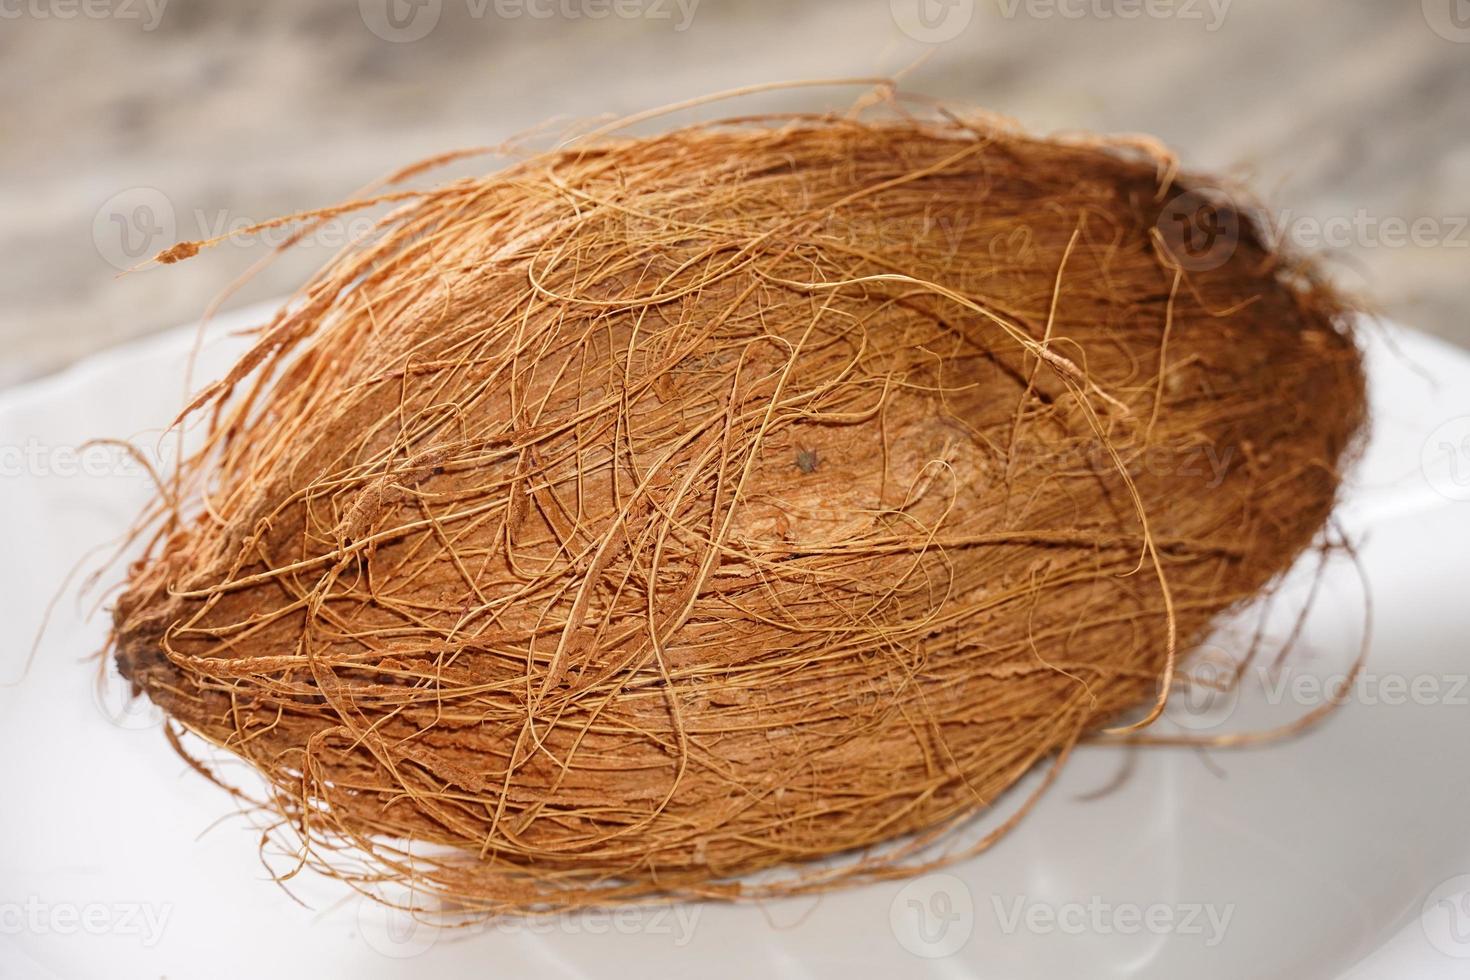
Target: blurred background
{"type": "Point", "coordinates": [130, 124]}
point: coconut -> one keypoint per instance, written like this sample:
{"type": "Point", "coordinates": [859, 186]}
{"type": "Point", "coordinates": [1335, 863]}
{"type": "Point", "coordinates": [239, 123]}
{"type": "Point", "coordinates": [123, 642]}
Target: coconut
{"type": "Point", "coordinates": [657, 511]}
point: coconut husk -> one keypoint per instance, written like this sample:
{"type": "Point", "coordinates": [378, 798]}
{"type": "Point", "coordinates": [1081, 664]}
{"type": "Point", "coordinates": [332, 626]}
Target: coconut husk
{"type": "Point", "coordinates": [655, 511]}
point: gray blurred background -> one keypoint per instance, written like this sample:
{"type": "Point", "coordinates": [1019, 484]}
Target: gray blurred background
{"type": "Point", "coordinates": [128, 124]}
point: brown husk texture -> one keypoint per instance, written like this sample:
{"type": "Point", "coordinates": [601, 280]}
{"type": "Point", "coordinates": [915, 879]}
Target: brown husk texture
{"type": "Point", "coordinates": [661, 510]}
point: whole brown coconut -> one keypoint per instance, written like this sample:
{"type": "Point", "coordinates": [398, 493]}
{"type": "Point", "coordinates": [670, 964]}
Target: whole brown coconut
{"type": "Point", "coordinates": [660, 510]}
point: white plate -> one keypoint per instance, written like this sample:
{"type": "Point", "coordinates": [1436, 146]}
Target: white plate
{"type": "Point", "coordinates": [1342, 853]}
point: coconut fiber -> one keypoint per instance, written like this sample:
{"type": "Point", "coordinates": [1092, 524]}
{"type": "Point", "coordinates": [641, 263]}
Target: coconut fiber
{"type": "Point", "coordinates": [661, 510]}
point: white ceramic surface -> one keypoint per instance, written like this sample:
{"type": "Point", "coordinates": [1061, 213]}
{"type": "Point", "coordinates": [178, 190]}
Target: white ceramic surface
{"type": "Point", "coordinates": [1343, 853]}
